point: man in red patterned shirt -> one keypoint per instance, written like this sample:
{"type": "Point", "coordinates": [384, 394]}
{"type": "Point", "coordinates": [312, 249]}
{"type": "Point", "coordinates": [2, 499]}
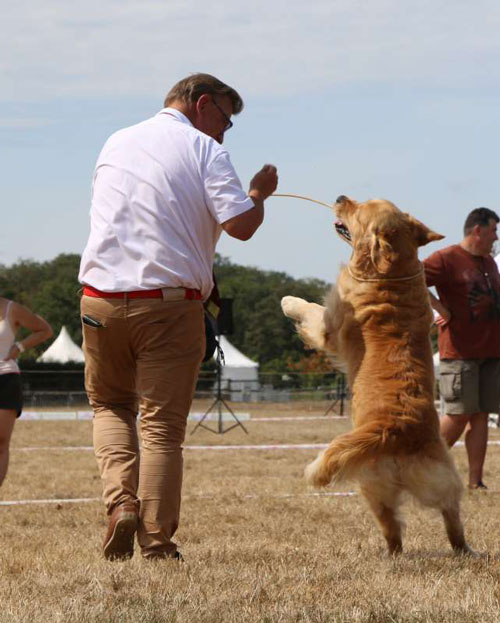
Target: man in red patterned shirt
{"type": "Point", "coordinates": [467, 282]}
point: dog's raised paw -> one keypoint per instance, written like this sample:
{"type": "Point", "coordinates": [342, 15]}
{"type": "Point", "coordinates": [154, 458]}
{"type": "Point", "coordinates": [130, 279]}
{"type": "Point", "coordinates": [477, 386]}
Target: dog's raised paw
{"type": "Point", "coordinates": [290, 306]}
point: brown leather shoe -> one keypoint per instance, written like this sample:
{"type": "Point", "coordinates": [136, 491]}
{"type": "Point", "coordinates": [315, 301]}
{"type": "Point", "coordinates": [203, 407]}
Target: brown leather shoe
{"type": "Point", "coordinates": [119, 540]}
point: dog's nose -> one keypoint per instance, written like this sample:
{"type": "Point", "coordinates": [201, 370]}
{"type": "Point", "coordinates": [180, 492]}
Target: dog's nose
{"type": "Point", "coordinates": [341, 199]}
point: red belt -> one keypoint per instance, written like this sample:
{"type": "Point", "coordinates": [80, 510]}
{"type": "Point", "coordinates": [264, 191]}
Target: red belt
{"type": "Point", "coordinates": [189, 293]}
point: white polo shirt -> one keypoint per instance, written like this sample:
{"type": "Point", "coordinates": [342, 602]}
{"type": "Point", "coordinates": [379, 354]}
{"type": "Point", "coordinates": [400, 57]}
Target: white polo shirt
{"type": "Point", "coordinates": [161, 190]}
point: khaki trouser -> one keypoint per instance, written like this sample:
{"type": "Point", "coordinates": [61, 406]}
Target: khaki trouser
{"type": "Point", "coordinates": [145, 357]}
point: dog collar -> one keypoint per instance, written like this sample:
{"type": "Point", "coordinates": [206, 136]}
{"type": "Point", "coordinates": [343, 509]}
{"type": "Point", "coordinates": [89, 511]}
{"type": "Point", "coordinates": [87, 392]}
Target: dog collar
{"type": "Point", "coordinates": [380, 279]}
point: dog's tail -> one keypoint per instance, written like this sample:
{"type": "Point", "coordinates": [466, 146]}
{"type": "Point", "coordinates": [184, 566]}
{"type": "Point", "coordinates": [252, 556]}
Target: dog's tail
{"type": "Point", "coordinates": [347, 453]}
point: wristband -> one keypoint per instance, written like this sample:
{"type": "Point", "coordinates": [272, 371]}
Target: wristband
{"type": "Point", "coordinates": [19, 346]}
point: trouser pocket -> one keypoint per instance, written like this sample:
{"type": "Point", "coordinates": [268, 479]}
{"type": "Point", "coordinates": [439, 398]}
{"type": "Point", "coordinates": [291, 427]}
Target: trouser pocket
{"type": "Point", "coordinates": [450, 386]}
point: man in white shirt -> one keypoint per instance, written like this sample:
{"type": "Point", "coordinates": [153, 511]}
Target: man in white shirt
{"type": "Point", "coordinates": [163, 192]}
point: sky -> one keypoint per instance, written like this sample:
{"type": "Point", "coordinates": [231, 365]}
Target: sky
{"type": "Point", "coordinates": [383, 98]}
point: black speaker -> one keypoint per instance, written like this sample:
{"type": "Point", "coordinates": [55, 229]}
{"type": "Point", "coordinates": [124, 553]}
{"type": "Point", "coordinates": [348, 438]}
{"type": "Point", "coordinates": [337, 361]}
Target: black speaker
{"type": "Point", "coordinates": [225, 317]}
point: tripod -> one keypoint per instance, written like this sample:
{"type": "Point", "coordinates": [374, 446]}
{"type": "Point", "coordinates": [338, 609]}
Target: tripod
{"type": "Point", "coordinates": [341, 394]}
{"type": "Point", "coordinates": [219, 402]}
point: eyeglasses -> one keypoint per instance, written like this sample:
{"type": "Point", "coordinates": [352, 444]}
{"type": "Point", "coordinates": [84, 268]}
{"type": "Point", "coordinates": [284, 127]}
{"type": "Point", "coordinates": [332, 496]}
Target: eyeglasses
{"type": "Point", "coordinates": [229, 123]}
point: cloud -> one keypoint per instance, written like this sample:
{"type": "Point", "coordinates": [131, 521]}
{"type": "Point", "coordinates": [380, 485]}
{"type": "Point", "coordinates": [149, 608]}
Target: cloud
{"type": "Point", "coordinates": [23, 123]}
{"type": "Point", "coordinates": [59, 49]}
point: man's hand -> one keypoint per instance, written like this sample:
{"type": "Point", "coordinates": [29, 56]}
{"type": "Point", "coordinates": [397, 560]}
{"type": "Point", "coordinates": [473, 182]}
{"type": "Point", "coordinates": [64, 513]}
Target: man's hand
{"type": "Point", "coordinates": [264, 183]}
{"type": "Point", "coordinates": [442, 319]}
{"type": "Point", "coordinates": [14, 353]}
{"type": "Point", "coordinates": [443, 314]}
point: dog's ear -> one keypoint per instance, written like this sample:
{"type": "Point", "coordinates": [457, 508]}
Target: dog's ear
{"type": "Point", "coordinates": [382, 252]}
{"type": "Point", "coordinates": [421, 233]}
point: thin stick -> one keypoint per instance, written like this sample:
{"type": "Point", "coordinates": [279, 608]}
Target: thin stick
{"type": "Point", "coordinates": [321, 203]}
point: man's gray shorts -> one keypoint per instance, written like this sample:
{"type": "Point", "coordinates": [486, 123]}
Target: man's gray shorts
{"type": "Point", "coordinates": [470, 385]}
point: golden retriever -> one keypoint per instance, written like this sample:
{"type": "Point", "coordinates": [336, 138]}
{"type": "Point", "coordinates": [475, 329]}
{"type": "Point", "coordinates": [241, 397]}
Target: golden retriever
{"type": "Point", "coordinates": [377, 320]}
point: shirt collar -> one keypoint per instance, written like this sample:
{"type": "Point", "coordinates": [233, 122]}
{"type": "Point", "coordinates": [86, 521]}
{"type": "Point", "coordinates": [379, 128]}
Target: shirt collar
{"type": "Point", "coordinates": [177, 114]}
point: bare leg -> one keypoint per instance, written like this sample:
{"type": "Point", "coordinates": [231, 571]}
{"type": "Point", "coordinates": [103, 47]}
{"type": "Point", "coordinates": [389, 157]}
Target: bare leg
{"type": "Point", "coordinates": [476, 441]}
{"type": "Point", "coordinates": [7, 421]}
{"type": "Point", "coordinates": [452, 426]}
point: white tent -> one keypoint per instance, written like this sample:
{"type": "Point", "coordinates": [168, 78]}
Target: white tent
{"type": "Point", "coordinates": [239, 374]}
{"type": "Point", "coordinates": [436, 360]}
{"type": "Point", "coordinates": [62, 349]}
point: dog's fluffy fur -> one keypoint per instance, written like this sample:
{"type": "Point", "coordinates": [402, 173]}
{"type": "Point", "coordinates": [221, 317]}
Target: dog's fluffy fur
{"type": "Point", "coordinates": [377, 320]}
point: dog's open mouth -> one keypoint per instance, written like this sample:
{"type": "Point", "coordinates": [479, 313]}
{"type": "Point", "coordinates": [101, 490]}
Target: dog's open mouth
{"type": "Point", "coordinates": [342, 231]}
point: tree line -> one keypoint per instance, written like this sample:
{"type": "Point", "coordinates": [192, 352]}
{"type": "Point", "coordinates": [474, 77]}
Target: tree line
{"type": "Point", "coordinates": [261, 332]}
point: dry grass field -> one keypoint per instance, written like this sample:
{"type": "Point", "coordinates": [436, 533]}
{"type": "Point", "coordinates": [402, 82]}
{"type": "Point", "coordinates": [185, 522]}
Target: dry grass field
{"type": "Point", "coordinates": [259, 545]}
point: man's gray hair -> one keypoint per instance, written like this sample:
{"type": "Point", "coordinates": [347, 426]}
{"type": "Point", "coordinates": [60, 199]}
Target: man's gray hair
{"type": "Point", "coordinates": [190, 89]}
